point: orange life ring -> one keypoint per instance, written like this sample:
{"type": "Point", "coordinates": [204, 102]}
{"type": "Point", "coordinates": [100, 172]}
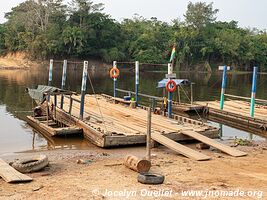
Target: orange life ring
{"type": "Point", "coordinates": [173, 88]}
{"type": "Point", "coordinates": [114, 72]}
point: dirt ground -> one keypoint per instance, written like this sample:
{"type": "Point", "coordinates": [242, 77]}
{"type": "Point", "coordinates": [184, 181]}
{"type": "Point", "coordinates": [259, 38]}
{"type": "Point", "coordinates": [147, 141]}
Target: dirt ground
{"type": "Point", "coordinates": [16, 61]}
{"type": "Point", "coordinates": [105, 177]}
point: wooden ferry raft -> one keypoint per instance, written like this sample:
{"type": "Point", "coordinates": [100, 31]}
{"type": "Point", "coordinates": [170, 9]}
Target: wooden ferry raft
{"type": "Point", "coordinates": [108, 124]}
{"type": "Point", "coordinates": [236, 113]}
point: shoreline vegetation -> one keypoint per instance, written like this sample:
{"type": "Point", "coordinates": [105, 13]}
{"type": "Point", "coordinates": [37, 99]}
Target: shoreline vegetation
{"type": "Point", "coordinates": [80, 29]}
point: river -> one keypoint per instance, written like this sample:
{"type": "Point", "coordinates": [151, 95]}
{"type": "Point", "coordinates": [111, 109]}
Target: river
{"type": "Point", "coordinates": [16, 135]}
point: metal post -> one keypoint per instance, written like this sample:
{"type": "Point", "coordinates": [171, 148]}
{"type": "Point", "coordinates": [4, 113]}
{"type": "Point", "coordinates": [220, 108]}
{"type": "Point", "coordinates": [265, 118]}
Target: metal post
{"type": "Point", "coordinates": [170, 104]}
{"type": "Point", "coordinates": [83, 89]}
{"type": "Point", "coordinates": [224, 80]}
{"type": "Point", "coordinates": [114, 80]}
{"type": "Point", "coordinates": [153, 104]}
{"type": "Point", "coordinates": [70, 108]}
{"type": "Point", "coordinates": [148, 135]}
{"type": "Point", "coordinates": [63, 82]}
{"type": "Point", "coordinates": [136, 81]}
{"type": "Point", "coordinates": [253, 91]}
{"type": "Point", "coordinates": [179, 94]}
{"type": "Point", "coordinates": [191, 92]}
{"type": "Point", "coordinates": [170, 71]}
{"type": "Point", "coordinates": [50, 72]}
{"type": "Point", "coordinates": [221, 130]}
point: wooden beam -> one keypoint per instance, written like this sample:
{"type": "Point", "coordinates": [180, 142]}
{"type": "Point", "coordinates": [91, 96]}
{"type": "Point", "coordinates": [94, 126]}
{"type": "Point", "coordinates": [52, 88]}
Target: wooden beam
{"type": "Point", "coordinates": [10, 175]}
{"type": "Point", "coordinates": [190, 153]}
{"type": "Point", "coordinates": [214, 143]}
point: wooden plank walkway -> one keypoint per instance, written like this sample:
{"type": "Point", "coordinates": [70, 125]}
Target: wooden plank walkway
{"type": "Point", "coordinates": [116, 124]}
{"type": "Point", "coordinates": [10, 175]}
{"type": "Point", "coordinates": [236, 113]}
{"type": "Point", "coordinates": [238, 107]}
{"type": "Point", "coordinates": [214, 143]}
{"type": "Point", "coordinates": [186, 151]}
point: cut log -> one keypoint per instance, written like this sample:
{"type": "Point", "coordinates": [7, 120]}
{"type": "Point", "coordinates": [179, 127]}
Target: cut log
{"type": "Point", "coordinates": [213, 143]}
{"type": "Point", "coordinates": [190, 153]}
{"type": "Point", "coordinates": [136, 164]}
{"type": "Point", "coordinates": [10, 175]}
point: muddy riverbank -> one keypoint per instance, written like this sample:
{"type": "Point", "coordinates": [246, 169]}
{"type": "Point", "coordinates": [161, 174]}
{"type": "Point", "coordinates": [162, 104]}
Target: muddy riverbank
{"type": "Point", "coordinates": [104, 175]}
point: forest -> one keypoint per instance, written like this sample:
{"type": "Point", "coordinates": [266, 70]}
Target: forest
{"type": "Point", "coordinates": [81, 30]}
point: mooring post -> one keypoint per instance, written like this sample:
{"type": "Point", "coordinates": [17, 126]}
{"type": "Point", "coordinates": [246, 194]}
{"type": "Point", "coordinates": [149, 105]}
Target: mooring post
{"type": "Point", "coordinates": [148, 135]}
{"type": "Point", "coordinates": [253, 91]}
{"type": "Point", "coordinates": [114, 79]}
{"type": "Point", "coordinates": [63, 82]}
{"type": "Point", "coordinates": [224, 79]}
{"type": "Point", "coordinates": [50, 72]}
{"type": "Point", "coordinates": [83, 89]}
{"type": "Point", "coordinates": [170, 71]}
{"type": "Point", "coordinates": [136, 81]}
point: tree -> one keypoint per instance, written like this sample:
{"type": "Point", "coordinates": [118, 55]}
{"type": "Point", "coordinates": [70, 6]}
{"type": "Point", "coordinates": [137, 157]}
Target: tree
{"type": "Point", "coordinates": [200, 14]}
{"type": "Point", "coordinates": [73, 38]}
{"type": "Point", "coordinates": [2, 38]}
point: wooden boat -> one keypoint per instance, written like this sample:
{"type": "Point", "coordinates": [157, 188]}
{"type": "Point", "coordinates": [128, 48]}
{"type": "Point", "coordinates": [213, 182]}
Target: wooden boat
{"type": "Point", "coordinates": [52, 127]}
{"type": "Point", "coordinates": [44, 120]}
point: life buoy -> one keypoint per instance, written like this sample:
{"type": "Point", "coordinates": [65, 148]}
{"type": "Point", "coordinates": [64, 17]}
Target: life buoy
{"type": "Point", "coordinates": [114, 72]}
{"type": "Point", "coordinates": [169, 84]}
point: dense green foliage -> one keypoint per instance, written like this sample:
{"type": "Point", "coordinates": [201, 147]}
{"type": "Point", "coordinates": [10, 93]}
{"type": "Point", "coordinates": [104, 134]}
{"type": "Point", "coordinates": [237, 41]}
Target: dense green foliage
{"type": "Point", "coordinates": [49, 28]}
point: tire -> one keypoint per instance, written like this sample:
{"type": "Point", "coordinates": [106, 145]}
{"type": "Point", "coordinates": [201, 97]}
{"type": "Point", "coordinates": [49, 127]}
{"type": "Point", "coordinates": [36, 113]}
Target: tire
{"type": "Point", "coordinates": [31, 164]}
{"type": "Point", "coordinates": [150, 178]}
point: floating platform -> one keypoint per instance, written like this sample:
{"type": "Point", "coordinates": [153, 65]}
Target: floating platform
{"type": "Point", "coordinates": [109, 122]}
{"type": "Point", "coordinates": [236, 113]}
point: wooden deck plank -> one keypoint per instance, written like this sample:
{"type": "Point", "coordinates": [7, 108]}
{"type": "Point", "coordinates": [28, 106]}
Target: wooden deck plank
{"type": "Point", "coordinates": [214, 143]}
{"type": "Point", "coordinates": [190, 153]}
{"type": "Point", "coordinates": [10, 175]}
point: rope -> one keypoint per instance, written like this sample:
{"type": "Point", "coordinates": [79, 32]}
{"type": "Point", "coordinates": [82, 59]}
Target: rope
{"type": "Point", "coordinates": [97, 101]}
{"type": "Point", "coordinates": [200, 118]}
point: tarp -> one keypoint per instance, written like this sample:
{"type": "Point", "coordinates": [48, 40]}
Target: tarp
{"type": "Point", "coordinates": [163, 82]}
{"type": "Point", "coordinates": [38, 94]}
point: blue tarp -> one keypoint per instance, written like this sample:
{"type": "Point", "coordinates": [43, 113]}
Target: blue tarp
{"type": "Point", "coordinates": [163, 82]}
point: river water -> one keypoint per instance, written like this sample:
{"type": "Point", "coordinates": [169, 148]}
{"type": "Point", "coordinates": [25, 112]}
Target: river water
{"type": "Point", "coordinates": [16, 135]}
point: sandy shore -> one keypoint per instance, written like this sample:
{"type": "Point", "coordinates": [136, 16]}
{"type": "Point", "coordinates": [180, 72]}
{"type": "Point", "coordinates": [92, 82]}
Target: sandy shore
{"type": "Point", "coordinates": [104, 177]}
{"type": "Point", "coordinates": [16, 61]}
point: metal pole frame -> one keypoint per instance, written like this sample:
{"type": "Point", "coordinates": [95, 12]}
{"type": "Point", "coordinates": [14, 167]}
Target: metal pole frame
{"type": "Point", "coordinates": [224, 80]}
{"type": "Point", "coordinates": [253, 91]}
{"type": "Point", "coordinates": [63, 82]}
{"type": "Point", "coordinates": [136, 81]}
{"type": "Point", "coordinates": [83, 88]}
{"type": "Point", "coordinates": [114, 80]}
{"type": "Point", "coordinates": [50, 76]}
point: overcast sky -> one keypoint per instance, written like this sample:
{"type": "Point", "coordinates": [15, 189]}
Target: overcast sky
{"type": "Point", "coordinates": [249, 13]}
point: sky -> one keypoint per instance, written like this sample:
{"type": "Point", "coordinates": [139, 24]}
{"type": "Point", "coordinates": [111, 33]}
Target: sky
{"type": "Point", "coordinates": [249, 13]}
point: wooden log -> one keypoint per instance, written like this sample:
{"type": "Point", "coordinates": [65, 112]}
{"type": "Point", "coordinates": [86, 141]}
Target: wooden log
{"type": "Point", "coordinates": [136, 164]}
